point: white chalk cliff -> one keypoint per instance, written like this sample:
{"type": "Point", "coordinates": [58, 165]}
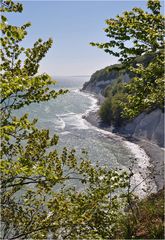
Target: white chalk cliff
{"type": "Point", "coordinates": [149, 126]}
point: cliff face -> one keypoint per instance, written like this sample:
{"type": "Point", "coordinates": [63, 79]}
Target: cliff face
{"type": "Point", "coordinates": [104, 77]}
{"type": "Point", "coordinates": [149, 126]}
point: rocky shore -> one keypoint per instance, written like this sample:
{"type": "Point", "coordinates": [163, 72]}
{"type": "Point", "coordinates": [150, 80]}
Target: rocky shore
{"type": "Point", "coordinates": [155, 153]}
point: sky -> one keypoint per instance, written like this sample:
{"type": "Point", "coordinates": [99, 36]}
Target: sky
{"type": "Point", "coordinates": [72, 25]}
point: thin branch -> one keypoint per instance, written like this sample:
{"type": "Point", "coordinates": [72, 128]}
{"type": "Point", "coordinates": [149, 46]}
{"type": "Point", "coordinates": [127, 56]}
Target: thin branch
{"type": "Point", "coordinates": [40, 181]}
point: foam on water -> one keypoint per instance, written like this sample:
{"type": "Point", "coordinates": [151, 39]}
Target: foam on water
{"type": "Point", "coordinates": [47, 109]}
{"type": "Point", "coordinates": [61, 123]}
{"type": "Point", "coordinates": [94, 104]}
{"type": "Point", "coordinates": [69, 119]}
{"type": "Point", "coordinates": [65, 133]}
{"type": "Point", "coordinates": [65, 114]}
{"type": "Point", "coordinates": [91, 97]}
{"type": "Point", "coordinates": [142, 176]}
{"type": "Point", "coordinates": [76, 120]}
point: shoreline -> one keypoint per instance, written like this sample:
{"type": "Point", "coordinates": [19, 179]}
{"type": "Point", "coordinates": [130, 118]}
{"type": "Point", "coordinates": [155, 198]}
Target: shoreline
{"type": "Point", "coordinates": [153, 151]}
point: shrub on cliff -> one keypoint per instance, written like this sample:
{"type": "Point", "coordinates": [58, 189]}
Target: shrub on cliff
{"type": "Point", "coordinates": [105, 111]}
{"type": "Point", "coordinates": [111, 109]}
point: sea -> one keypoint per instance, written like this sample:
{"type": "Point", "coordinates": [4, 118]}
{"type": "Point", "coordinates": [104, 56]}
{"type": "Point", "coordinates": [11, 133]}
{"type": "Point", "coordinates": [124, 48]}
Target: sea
{"type": "Point", "coordinates": [64, 116]}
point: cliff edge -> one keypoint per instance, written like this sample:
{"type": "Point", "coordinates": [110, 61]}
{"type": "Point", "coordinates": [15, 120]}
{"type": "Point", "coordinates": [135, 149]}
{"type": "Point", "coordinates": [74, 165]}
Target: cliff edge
{"type": "Point", "coordinates": [148, 125]}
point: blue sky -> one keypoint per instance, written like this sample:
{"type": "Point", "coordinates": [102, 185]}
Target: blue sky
{"type": "Point", "coordinates": [72, 25]}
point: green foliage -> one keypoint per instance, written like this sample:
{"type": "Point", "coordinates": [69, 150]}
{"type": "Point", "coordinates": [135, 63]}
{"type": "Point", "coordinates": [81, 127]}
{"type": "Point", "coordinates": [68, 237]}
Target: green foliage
{"type": "Point", "coordinates": [133, 34]}
{"type": "Point", "coordinates": [105, 111]}
{"type": "Point", "coordinates": [111, 109]}
{"type": "Point", "coordinates": [144, 29]}
{"type": "Point", "coordinates": [38, 195]}
{"type": "Point", "coordinates": [45, 192]}
{"type": "Point", "coordinates": [20, 85]}
{"type": "Point", "coordinates": [10, 6]}
{"type": "Point", "coordinates": [146, 91]}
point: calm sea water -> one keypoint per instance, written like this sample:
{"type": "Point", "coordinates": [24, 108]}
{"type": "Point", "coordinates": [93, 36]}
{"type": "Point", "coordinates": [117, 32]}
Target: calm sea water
{"type": "Point", "coordinates": [64, 117]}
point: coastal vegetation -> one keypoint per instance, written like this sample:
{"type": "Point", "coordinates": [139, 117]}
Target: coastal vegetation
{"type": "Point", "coordinates": [111, 108]}
{"type": "Point", "coordinates": [38, 199]}
{"type": "Point", "coordinates": [133, 34]}
{"type": "Point", "coordinates": [116, 93]}
{"type": "Point", "coordinates": [145, 220]}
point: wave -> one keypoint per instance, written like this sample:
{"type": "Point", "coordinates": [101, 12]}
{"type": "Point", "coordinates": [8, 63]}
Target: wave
{"type": "Point", "coordinates": [47, 109]}
{"type": "Point", "coordinates": [65, 114]}
{"type": "Point", "coordinates": [65, 133]}
{"type": "Point", "coordinates": [76, 120]}
{"type": "Point", "coordinates": [73, 120]}
{"type": "Point", "coordinates": [94, 101]}
{"type": "Point", "coordinates": [61, 124]}
{"type": "Point", "coordinates": [94, 104]}
{"type": "Point", "coordinates": [75, 90]}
